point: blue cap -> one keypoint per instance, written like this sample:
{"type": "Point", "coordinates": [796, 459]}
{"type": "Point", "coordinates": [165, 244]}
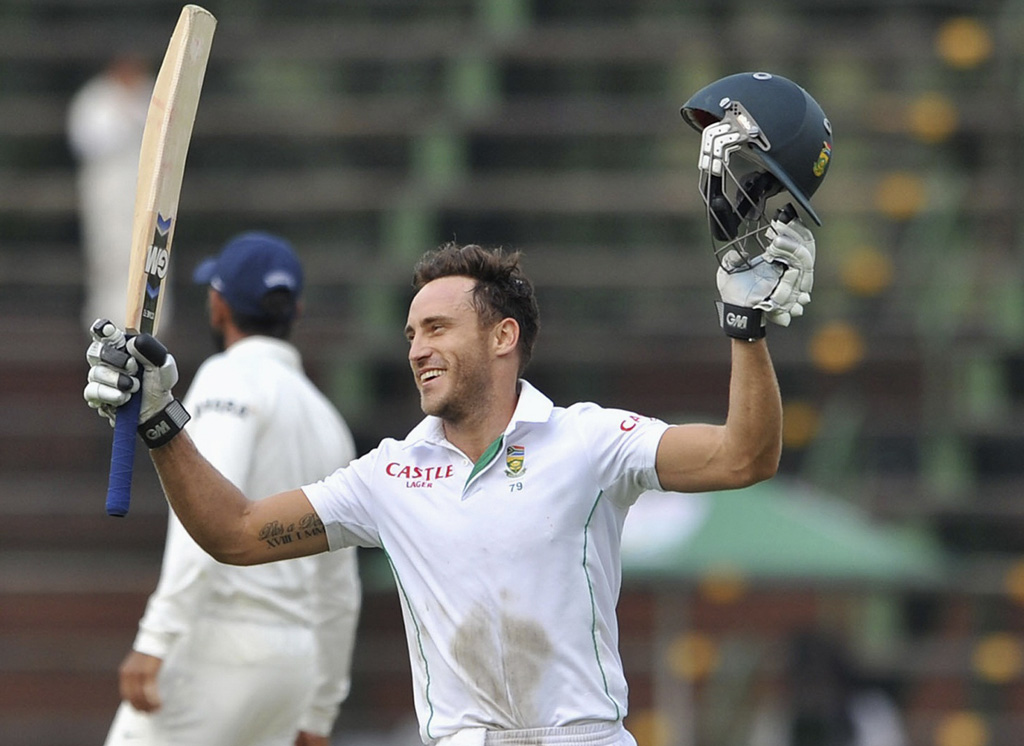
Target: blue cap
{"type": "Point", "coordinates": [248, 267]}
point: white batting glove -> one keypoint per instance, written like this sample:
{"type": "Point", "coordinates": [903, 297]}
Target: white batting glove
{"type": "Point", "coordinates": [111, 380]}
{"type": "Point", "coordinates": [114, 367]}
{"type": "Point", "coordinates": [774, 286]}
{"type": "Point", "coordinates": [792, 245]}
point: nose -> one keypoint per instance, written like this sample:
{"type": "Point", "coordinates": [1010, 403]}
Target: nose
{"type": "Point", "coordinates": [417, 349]}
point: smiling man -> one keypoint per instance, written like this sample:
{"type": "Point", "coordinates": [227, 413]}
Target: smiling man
{"type": "Point", "coordinates": [500, 513]}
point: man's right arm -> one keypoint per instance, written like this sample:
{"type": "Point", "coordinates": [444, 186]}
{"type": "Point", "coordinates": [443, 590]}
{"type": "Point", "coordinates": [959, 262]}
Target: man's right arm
{"type": "Point", "coordinates": [230, 527]}
{"type": "Point", "coordinates": [227, 525]}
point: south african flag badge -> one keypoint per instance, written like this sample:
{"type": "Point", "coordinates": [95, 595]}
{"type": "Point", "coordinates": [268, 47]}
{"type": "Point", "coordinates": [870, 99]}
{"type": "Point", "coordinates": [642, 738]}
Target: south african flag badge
{"type": "Point", "coordinates": [515, 457]}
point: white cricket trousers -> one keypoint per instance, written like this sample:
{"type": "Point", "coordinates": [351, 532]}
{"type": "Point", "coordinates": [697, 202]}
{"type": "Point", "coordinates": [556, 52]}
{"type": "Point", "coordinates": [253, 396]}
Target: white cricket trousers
{"type": "Point", "coordinates": [228, 683]}
{"type": "Point", "coordinates": [588, 734]}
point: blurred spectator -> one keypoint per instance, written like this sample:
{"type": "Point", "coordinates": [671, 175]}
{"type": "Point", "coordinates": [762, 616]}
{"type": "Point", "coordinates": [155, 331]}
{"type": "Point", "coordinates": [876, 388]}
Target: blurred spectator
{"type": "Point", "coordinates": [105, 122]}
{"type": "Point", "coordinates": [826, 702]}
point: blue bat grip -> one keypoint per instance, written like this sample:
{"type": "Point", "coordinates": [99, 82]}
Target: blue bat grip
{"type": "Point", "coordinates": [122, 456]}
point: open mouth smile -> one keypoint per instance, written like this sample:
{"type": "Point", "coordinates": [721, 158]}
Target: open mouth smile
{"type": "Point", "coordinates": [429, 375]}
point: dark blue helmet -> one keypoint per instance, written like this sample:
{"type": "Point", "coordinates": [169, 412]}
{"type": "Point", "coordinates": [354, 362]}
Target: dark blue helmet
{"type": "Point", "coordinates": [791, 138]}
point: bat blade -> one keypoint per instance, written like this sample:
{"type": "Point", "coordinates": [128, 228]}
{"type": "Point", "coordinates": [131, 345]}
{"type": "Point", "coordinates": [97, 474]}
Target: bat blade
{"type": "Point", "coordinates": [165, 141]}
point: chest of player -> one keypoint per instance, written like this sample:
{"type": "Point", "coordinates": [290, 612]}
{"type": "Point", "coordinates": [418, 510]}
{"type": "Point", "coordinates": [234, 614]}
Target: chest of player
{"type": "Point", "coordinates": [520, 487]}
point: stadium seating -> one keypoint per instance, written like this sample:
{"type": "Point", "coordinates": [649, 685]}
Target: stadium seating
{"type": "Point", "coordinates": [370, 130]}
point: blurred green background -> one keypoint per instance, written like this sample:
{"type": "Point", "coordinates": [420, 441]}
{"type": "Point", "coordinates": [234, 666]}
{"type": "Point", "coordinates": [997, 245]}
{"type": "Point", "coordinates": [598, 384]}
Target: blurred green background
{"type": "Point", "coordinates": [370, 130]}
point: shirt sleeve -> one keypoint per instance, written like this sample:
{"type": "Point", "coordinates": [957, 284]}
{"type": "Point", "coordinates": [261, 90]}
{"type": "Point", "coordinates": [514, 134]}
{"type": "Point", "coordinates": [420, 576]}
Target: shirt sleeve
{"type": "Point", "coordinates": [336, 597]}
{"type": "Point", "coordinates": [622, 447]}
{"type": "Point", "coordinates": [183, 586]}
{"type": "Point", "coordinates": [225, 435]}
{"type": "Point", "coordinates": [335, 617]}
{"type": "Point", "coordinates": [344, 502]}
{"type": "Point", "coordinates": [224, 429]}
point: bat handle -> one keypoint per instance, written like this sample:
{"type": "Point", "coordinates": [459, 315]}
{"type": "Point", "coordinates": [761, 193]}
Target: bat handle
{"type": "Point", "coordinates": [122, 456]}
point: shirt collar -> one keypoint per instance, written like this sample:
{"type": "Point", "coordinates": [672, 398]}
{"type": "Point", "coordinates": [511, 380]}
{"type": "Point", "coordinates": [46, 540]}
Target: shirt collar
{"type": "Point", "coordinates": [533, 406]}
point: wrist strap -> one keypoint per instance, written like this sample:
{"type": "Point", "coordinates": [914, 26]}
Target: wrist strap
{"type": "Point", "coordinates": [739, 322]}
{"type": "Point", "coordinates": [168, 422]}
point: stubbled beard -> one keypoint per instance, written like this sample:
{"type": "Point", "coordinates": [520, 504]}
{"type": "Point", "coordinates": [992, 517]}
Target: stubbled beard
{"type": "Point", "coordinates": [448, 410]}
{"type": "Point", "coordinates": [462, 401]}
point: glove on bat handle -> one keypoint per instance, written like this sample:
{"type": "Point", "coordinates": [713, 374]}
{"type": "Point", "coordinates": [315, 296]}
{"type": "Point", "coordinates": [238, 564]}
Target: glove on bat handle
{"type": "Point", "coordinates": [122, 453]}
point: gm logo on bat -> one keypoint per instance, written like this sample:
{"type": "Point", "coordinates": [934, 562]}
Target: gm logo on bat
{"type": "Point", "coordinates": [157, 259]}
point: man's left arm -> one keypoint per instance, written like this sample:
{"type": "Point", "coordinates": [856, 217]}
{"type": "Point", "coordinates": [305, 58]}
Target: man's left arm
{"type": "Point", "coordinates": [775, 287]}
{"type": "Point", "coordinates": [746, 449]}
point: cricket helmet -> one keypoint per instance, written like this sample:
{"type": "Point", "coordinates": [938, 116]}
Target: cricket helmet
{"type": "Point", "coordinates": [779, 130]}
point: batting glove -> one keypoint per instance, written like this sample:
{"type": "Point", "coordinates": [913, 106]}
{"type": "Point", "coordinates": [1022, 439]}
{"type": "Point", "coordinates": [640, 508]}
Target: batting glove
{"type": "Point", "coordinates": [773, 286]}
{"type": "Point", "coordinates": [115, 361]}
{"type": "Point", "coordinates": [112, 370]}
{"type": "Point", "coordinates": [791, 245]}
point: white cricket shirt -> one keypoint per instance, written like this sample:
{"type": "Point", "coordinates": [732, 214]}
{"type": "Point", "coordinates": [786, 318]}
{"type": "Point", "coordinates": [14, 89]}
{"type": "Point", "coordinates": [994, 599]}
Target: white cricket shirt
{"type": "Point", "coordinates": [508, 570]}
{"type": "Point", "coordinates": [261, 422]}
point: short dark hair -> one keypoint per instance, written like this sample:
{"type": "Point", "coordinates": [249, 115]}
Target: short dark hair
{"type": "Point", "coordinates": [279, 306]}
{"type": "Point", "coordinates": [502, 290]}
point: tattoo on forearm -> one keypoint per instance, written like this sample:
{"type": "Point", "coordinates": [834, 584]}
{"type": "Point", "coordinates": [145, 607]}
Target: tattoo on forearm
{"type": "Point", "coordinates": [277, 534]}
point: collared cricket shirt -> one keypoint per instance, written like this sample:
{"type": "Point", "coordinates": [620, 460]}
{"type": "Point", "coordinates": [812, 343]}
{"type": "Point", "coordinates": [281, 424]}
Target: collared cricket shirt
{"type": "Point", "coordinates": [260, 421]}
{"type": "Point", "coordinates": [508, 570]}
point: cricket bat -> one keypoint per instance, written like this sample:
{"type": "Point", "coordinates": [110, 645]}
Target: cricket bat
{"type": "Point", "coordinates": [165, 140]}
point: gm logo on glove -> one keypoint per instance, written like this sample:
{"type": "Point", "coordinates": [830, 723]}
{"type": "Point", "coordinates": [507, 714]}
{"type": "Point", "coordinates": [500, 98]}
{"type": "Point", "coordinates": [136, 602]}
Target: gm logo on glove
{"type": "Point", "coordinates": [736, 321]}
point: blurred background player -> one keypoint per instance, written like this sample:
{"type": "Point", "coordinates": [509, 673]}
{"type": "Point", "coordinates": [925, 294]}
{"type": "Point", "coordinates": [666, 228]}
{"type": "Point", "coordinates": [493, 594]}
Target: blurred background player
{"type": "Point", "coordinates": [248, 655]}
{"type": "Point", "coordinates": [105, 121]}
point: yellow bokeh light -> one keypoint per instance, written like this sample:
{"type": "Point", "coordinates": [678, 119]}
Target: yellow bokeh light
{"type": "Point", "coordinates": [723, 585]}
{"type": "Point", "coordinates": [650, 728]}
{"type": "Point", "coordinates": [963, 42]}
{"type": "Point", "coordinates": [799, 424]}
{"type": "Point", "coordinates": [837, 347]}
{"type": "Point", "coordinates": [900, 195]}
{"type": "Point", "coordinates": [932, 117]}
{"type": "Point", "coordinates": [867, 271]}
{"type": "Point", "coordinates": [1015, 582]}
{"type": "Point", "coordinates": [692, 656]}
{"type": "Point", "coordinates": [997, 658]}
{"type": "Point", "coordinates": [962, 729]}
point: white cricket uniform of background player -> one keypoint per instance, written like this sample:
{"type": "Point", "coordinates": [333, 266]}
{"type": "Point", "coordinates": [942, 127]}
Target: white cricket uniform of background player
{"type": "Point", "coordinates": [105, 122]}
{"type": "Point", "coordinates": [508, 571]}
{"type": "Point", "coordinates": [251, 654]}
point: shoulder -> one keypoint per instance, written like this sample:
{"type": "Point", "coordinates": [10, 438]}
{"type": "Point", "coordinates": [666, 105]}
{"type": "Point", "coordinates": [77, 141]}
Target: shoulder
{"type": "Point", "coordinates": [221, 370]}
{"type": "Point", "coordinates": [222, 384]}
{"type": "Point", "coordinates": [594, 422]}
{"type": "Point", "coordinates": [589, 412]}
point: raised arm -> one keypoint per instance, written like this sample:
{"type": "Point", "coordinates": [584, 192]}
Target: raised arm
{"type": "Point", "coordinates": [229, 526]}
{"type": "Point", "coordinates": [746, 449]}
{"type": "Point", "coordinates": [773, 286]}
{"type": "Point", "coordinates": [226, 524]}
{"type": "Point", "coordinates": [766, 265]}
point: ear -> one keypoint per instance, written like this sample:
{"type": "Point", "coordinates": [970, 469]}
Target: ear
{"type": "Point", "coordinates": [505, 336]}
